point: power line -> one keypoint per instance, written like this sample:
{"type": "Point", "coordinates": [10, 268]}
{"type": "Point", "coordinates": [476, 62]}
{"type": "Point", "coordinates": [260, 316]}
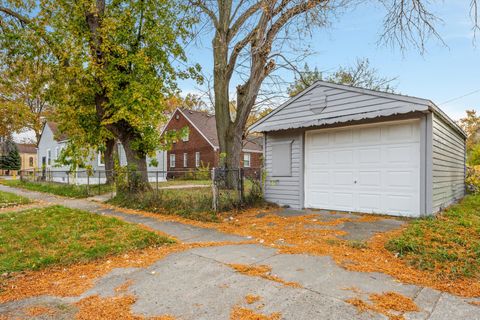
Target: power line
{"type": "Point", "coordinates": [462, 96]}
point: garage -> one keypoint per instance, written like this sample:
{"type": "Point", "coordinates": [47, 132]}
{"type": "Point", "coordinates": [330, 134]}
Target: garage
{"type": "Point", "coordinates": [370, 168]}
{"type": "Point", "coordinates": [343, 148]}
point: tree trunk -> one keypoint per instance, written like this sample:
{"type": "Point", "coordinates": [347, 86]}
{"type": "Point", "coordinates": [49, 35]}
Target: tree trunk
{"type": "Point", "coordinates": [110, 154]}
{"type": "Point", "coordinates": [136, 160]}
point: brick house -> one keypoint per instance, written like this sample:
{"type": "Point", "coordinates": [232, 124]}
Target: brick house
{"type": "Point", "coordinates": [201, 148]}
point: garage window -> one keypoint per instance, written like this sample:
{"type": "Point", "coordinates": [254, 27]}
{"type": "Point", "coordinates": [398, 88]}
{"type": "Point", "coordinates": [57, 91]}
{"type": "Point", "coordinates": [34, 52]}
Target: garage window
{"type": "Point", "coordinates": [282, 159]}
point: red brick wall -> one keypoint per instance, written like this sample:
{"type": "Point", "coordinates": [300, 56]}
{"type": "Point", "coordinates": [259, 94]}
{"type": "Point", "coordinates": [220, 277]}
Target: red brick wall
{"type": "Point", "coordinates": [195, 143]}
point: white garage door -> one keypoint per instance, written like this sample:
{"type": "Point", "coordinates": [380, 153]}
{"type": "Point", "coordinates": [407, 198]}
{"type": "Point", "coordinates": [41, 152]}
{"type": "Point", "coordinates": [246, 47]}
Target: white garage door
{"type": "Point", "coordinates": [372, 168]}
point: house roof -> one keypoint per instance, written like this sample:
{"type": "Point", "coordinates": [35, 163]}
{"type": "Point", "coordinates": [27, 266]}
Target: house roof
{"type": "Point", "coordinates": [326, 103]}
{"type": "Point", "coordinates": [58, 136]}
{"type": "Point", "coordinates": [206, 124]}
{"type": "Point", "coordinates": [27, 148]}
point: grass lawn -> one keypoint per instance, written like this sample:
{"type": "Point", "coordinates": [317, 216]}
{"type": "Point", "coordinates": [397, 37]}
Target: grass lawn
{"type": "Point", "coordinates": [60, 189]}
{"type": "Point", "coordinates": [36, 238]}
{"type": "Point", "coordinates": [448, 244]}
{"type": "Point", "coordinates": [8, 199]}
{"type": "Point", "coordinates": [178, 182]}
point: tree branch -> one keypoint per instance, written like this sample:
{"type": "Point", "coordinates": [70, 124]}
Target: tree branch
{"type": "Point", "coordinates": [207, 11]}
{"type": "Point", "coordinates": [243, 18]}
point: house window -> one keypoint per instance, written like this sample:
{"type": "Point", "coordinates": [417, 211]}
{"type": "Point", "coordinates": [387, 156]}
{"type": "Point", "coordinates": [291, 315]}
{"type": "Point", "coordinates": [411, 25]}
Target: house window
{"type": "Point", "coordinates": [101, 159]}
{"type": "Point", "coordinates": [185, 160]}
{"type": "Point", "coordinates": [172, 161]}
{"type": "Point", "coordinates": [30, 161]}
{"type": "Point", "coordinates": [246, 160]}
{"type": "Point", "coordinates": [186, 136]}
{"type": "Point", "coordinates": [49, 156]}
{"type": "Point", "coordinates": [282, 159]}
{"type": "Point", "coordinates": [197, 159]}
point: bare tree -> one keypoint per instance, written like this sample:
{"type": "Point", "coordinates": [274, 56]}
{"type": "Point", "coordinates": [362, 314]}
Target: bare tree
{"type": "Point", "coordinates": [250, 37]}
{"type": "Point", "coordinates": [246, 34]}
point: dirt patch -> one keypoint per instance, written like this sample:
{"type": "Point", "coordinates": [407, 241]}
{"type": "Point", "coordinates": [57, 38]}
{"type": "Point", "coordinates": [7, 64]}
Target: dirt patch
{"type": "Point", "coordinates": [262, 271]}
{"type": "Point", "coordinates": [240, 313]}
{"type": "Point", "coordinates": [391, 304]}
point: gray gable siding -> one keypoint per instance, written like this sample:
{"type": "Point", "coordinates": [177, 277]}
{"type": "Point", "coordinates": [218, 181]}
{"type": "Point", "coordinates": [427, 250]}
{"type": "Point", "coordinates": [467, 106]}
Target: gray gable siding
{"type": "Point", "coordinates": [342, 104]}
{"type": "Point", "coordinates": [448, 164]}
{"type": "Point", "coordinates": [287, 191]}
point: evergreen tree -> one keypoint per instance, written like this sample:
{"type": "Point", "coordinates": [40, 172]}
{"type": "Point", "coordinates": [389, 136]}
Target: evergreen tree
{"type": "Point", "coordinates": [10, 160]}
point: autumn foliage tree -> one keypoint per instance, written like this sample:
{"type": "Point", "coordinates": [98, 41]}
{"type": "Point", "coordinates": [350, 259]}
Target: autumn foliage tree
{"type": "Point", "coordinates": [115, 66]}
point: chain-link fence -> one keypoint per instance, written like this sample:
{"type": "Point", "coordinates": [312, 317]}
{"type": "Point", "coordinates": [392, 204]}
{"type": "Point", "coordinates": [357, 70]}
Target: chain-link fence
{"type": "Point", "coordinates": [178, 191]}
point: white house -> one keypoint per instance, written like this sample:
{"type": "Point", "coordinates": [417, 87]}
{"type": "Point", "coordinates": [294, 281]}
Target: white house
{"type": "Point", "coordinates": [343, 148]}
{"type": "Point", "coordinates": [51, 144]}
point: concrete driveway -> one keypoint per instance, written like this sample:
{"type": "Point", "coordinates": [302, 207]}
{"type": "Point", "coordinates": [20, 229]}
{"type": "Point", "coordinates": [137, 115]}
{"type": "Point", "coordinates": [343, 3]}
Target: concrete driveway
{"type": "Point", "coordinates": [200, 283]}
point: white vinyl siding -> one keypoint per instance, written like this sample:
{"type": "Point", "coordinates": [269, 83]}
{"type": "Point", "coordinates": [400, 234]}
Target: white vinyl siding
{"type": "Point", "coordinates": [448, 176]}
{"type": "Point", "coordinates": [197, 159]}
{"type": "Point", "coordinates": [172, 161]}
{"type": "Point", "coordinates": [285, 190]}
{"type": "Point", "coordinates": [100, 159]}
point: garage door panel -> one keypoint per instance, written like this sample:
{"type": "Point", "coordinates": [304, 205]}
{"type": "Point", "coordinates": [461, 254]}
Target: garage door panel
{"type": "Point", "coordinates": [400, 154]}
{"type": "Point", "coordinates": [400, 178]}
{"type": "Point", "coordinates": [342, 178]}
{"type": "Point", "coordinates": [342, 200]}
{"type": "Point", "coordinates": [320, 199]}
{"type": "Point", "coordinates": [322, 158]}
{"type": "Point", "coordinates": [369, 202]}
{"type": "Point", "coordinates": [398, 132]}
{"type": "Point", "coordinates": [370, 135]}
{"type": "Point", "coordinates": [370, 178]}
{"type": "Point", "coordinates": [343, 137]}
{"type": "Point", "coordinates": [343, 157]}
{"type": "Point", "coordinates": [400, 204]}
{"type": "Point", "coordinates": [370, 169]}
{"type": "Point", "coordinates": [370, 156]}
{"type": "Point", "coordinates": [319, 178]}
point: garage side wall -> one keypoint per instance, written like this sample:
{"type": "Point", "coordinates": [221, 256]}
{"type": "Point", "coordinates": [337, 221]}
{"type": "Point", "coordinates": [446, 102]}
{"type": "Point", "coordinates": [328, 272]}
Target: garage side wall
{"type": "Point", "coordinates": [448, 164]}
{"type": "Point", "coordinates": [284, 185]}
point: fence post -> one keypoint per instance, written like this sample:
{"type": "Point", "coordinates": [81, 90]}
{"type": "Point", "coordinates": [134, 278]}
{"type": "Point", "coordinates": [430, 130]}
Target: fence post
{"type": "Point", "coordinates": [214, 191]}
{"type": "Point", "coordinates": [99, 182]}
{"type": "Point", "coordinates": [240, 181]}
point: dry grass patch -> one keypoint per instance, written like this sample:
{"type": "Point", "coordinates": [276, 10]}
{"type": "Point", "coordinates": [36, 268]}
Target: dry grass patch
{"type": "Point", "coordinates": [114, 308]}
{"type": "Point", "coordinates": [35, 311]}
{"type": "Point", "coordinates": [240, 313]}
{"type": "Point", "coordinates": [251, 298]}
{"type": "Point", "coordinates": [262, 271]}
{"type": "Point", "coordinates": [391, 304]}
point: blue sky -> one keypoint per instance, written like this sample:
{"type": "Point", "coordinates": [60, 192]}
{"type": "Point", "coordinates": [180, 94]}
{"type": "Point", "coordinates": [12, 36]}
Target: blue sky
{"type": "Point", "coordinates": [441, 74]}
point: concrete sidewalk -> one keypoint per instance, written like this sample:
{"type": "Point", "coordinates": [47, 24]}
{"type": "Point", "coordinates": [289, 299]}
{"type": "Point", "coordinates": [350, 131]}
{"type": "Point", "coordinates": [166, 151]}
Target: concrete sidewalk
{"type": "Point", "coordinates": [200, 284]}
